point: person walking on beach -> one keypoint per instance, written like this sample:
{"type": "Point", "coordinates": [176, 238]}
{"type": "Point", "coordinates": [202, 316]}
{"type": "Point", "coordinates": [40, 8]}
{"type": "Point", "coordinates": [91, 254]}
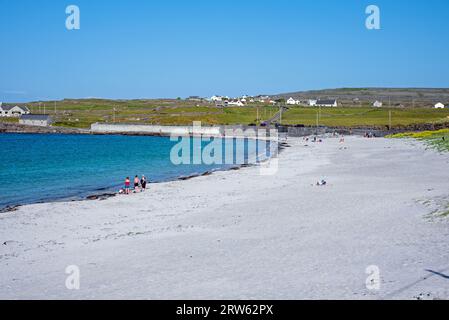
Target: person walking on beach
{"type": "Point", "coordinates": [136, 183]}
{"type": "Point", "coordinates": [127, 184]}
{"type": "Point", "coordinates": [143, 183]}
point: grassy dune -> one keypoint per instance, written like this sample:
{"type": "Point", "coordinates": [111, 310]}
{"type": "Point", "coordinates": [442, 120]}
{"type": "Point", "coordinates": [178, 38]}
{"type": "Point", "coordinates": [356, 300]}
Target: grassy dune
{"type": "Point", "coordinates": [437, 139]}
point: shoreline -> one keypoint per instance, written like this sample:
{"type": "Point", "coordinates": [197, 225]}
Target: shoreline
{"type": "Point", "coordinates": [109, 193]}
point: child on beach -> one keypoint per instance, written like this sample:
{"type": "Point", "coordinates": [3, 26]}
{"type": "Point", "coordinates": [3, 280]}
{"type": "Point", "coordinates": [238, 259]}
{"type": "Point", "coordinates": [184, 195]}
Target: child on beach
{"type": "Point", "coordinates": [127, 184]}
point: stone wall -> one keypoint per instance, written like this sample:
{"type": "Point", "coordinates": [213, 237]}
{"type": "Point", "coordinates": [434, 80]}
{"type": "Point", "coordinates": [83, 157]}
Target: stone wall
{"type": "Point", "coordinates": [236, 131]}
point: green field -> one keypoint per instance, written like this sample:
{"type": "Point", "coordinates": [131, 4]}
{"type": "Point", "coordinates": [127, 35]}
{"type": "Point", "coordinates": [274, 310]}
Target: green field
{"type": "Point", "coordinates": [364, 116]}
{"type": "Point", "coordinates": [81, 113]}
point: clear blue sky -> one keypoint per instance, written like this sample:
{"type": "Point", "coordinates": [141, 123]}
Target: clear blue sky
{"type": "Point", "coordinates": [171, 48]}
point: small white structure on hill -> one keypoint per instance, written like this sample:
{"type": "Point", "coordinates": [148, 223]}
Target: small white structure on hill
{"type": "Point", "coordinates": [312, 102]}
{"type": "Point", "coordinates": [377, 104]}
{"type": "Point", "coordinates": [439, 105]}
{"type": "Point", "coordinates": [216, 98]}
{"type": "Point", "coordinates": [291, 101]}
{"type": "Point", "coordinates": [41, 120]}
{"type": "Point", "coordinates": [13, 111]}
{"type": "Point", "coordinates": [236, 102]}
{"type": "Point", "coordinates": [326, 103]}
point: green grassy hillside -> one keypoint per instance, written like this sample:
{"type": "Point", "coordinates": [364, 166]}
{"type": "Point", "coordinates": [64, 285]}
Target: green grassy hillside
{"type": "Point", "coordinates": [81, 113]}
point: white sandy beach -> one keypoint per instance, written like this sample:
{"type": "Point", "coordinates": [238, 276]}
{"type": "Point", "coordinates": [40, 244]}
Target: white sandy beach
{"type": "Point", "coordinates": [241, 235]}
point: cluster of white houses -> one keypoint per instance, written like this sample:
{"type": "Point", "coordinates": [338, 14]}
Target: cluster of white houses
{"type": "Point", "coordinates": [334, 103]}
{"type": "Point", "coordinates": [322, 102]}
{"type": "Point", "coordinates": [24, 115]}
{"type": "Point", "coordinates": [224, 101]}
{"type": "Point", "coordinates": [313, 102]}
{"type": "Point", "coordinates": [240, 102]}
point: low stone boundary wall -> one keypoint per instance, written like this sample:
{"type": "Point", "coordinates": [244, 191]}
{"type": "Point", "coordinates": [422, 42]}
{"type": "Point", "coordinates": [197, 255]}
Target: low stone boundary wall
{"type": "Point", "coordinates": [236, 131]}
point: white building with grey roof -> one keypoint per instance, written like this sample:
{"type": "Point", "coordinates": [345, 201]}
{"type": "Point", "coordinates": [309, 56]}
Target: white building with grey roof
{"type": "Point", "coordinates": [41, 120]}
{"type": "Point", "coordinates": [13, 110]}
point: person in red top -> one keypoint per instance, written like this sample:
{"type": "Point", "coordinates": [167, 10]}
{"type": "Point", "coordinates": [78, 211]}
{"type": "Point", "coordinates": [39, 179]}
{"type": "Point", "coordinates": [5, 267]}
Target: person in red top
{"type": "Point", "coordinates": [127, 184]}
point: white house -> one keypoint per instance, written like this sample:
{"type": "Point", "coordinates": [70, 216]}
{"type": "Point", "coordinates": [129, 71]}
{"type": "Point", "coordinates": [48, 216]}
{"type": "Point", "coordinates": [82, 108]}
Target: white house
{"type": "Point", "coordinates": [291, 101]}
{"type": "Point", "coordinates": [13, 111]}
{"type": "Point", "coordinates": [312, 102]}
{"type": "Point", "coordinates": [216, 98]}
{"type": "Point", "coordinates": [326, 103]}
{"type": "Point", "coordinates": [41, 120]}
{"type": "Point", "coordinates": [439, 105]}
{"type": "Point", "coordinates": [262, 99]}
{"type": "Point", "coordinates": [377, 104]}
{"type": "Point", "coordinates": [236, 102]}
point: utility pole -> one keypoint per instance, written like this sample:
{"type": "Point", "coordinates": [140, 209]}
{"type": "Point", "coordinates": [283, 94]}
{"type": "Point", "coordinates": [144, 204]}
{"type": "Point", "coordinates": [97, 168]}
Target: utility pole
{"type": "Point", "coordinates": [280, 115]}
{"type": "Point", "coordinates": [257, 119]}
{"type": "Point", "coordinates": [55, 106]}
{"type": "Point", "coordinates": [389, 119]}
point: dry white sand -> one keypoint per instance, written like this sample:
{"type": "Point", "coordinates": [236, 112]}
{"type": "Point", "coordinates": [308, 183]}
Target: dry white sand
{"type": "Point", "coordinates": [240, 235]}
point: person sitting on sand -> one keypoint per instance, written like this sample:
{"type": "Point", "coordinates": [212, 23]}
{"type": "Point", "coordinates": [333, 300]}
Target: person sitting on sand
{"type": "Point", "coordinates": [127, 184]}
{"type": "Point", "coordinates": [143, 183]}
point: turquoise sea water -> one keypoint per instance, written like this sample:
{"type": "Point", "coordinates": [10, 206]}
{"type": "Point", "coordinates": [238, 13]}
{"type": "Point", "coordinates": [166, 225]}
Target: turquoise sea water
{"type": "Point", "coordinates": [39, 168]}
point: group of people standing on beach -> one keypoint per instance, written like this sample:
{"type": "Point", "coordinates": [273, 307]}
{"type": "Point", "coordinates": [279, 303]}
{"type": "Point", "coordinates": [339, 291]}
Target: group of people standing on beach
{"type": "Point", "coordinates": [140, 185]}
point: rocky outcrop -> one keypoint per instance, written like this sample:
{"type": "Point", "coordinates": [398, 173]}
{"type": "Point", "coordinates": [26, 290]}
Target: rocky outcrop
{"type": "Point", "coordinates": [6, 127]}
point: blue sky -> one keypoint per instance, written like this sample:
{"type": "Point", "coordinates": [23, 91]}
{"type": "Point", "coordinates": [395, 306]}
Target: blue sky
{"type": "Point", "coordinates": [171, 48]}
